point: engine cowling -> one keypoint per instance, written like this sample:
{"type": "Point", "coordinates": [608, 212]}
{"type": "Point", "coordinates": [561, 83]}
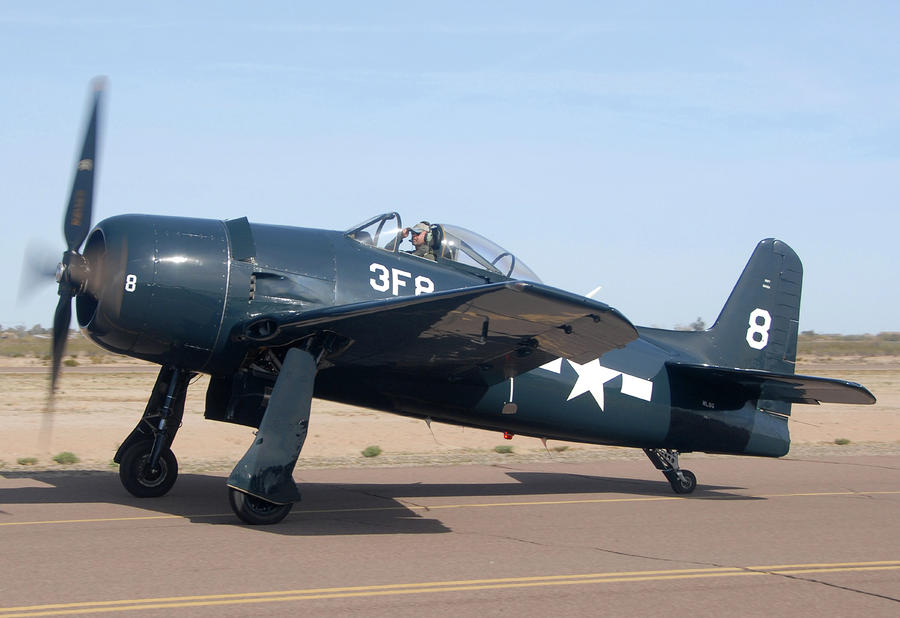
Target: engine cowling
{"type": "Point", "coordinates": [156, 288]}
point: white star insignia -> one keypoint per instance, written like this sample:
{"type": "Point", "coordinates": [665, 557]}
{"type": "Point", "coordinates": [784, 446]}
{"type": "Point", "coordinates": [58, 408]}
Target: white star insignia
{"type": "Point", "coordinates": [591, 378]}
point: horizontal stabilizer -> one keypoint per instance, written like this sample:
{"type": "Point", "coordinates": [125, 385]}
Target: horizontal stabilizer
{"type": "Point", "coordinates": [765, 385]}
{"type": "Point", "coordinates": [483, 334]}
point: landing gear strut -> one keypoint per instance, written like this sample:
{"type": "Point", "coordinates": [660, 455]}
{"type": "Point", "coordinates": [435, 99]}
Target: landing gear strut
{"type": "Point", "coordinates": [682, 481]}
{"type": "Point", "coordinates": [147, 466]}
{"type": "Point", "coordinates": [261, 486]}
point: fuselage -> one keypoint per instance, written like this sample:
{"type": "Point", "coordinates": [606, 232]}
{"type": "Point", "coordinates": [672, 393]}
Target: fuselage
{"type": "Point", "coordinates": [176, 291]}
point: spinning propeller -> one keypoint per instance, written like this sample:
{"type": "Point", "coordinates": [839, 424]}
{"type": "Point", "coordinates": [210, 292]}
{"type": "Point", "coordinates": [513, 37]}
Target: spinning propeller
{"type": "Point", "coordinates": [74, 271]}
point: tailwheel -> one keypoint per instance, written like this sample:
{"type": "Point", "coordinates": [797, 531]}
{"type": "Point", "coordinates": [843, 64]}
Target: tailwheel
{"type": "Point", "coordinates": [142, 481]}
{"type": "Point", "coordinates": [256, 511]}
{"type": "Point", "coordinates": [666, 459]}
{"type": "Point", "coordinates": [684, 485]}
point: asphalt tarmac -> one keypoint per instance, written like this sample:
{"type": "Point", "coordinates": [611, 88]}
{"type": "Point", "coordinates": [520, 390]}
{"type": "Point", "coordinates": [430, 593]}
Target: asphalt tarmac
{"type": "Point", "coordinates": [758, 538]}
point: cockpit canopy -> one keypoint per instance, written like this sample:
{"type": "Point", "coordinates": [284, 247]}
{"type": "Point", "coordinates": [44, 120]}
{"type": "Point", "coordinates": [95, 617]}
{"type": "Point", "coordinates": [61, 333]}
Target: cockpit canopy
{"type": "Point", "coordinates": [449, 243]}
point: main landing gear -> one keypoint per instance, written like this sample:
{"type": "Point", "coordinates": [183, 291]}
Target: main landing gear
{"type": "Point", "coordinates": [261, 486]}
{"type": "Point", "coordinates": [682, 481]}
{"type": "Point", "coordinates": [143, 479]}
{"type": "Point", "coordinates": [147, 466]}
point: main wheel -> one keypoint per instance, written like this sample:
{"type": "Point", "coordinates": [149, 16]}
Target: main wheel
{"type": "Point", "coordinates": [686, 486]}
{"type": "Point", "coordinates": [256, 511]}
{"type": "Point", "coordinates": [139, 479]}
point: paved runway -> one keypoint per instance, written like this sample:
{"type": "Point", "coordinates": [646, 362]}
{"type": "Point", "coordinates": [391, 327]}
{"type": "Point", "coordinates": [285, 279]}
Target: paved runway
{"type": "Point", "coordinates": [758, 538]}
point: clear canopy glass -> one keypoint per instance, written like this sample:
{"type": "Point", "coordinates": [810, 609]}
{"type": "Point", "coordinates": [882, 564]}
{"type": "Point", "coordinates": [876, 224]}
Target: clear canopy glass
{"type": "Point", "coordinates": [449, 243]}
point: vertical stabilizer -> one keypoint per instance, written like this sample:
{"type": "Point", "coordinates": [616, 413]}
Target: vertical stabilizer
{"type": "Point", "coordinates": [757, 328]}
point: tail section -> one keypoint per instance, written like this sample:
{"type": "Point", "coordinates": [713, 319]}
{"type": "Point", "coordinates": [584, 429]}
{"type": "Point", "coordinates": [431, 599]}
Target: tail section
{"type": "Point", "coordinates": [757, 328]}
{"type": "Point", "coordinates": [733, 385]}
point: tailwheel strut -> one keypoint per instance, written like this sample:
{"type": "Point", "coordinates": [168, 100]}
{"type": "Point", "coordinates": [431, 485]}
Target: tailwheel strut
{"type": "Point", "coordinates": [682, 481]}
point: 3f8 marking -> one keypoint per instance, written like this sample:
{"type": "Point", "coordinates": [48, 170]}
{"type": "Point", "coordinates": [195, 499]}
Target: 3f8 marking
{"type": "Point", "coordinates": [393, 279]}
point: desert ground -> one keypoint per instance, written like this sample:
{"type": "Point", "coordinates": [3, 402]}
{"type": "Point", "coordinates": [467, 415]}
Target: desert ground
{"type": "Point", "coordinates": [98, 404]}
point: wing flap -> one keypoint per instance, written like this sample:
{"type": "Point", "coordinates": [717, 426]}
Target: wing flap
{"type": "Point", "coordinates": [766, 385]}
{"type": "Point", "coordinates": [485, 334]}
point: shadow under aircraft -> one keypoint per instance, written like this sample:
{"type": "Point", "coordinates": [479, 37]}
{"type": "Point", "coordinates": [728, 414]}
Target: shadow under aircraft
{"type": "Point", "coordinates": [339, 508]}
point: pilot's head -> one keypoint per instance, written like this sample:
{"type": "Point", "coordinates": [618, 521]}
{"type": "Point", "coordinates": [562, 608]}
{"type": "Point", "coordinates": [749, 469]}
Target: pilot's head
{"type": "Point", "coordinates": [419, 232]}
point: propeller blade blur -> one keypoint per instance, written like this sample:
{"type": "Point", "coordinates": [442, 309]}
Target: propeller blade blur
{"type": "Point", "coordinates": [38, 269]}
{"type": "Point", "coordinates": [78, 213]}
{"type": "Point", "coordinates": [61, 320]}
{"type": "Point", "coordinates": [72, 272]}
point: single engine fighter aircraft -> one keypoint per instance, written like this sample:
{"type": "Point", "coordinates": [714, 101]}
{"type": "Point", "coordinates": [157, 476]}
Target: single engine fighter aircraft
{"type": "Point", "coordinates": [466, 335]}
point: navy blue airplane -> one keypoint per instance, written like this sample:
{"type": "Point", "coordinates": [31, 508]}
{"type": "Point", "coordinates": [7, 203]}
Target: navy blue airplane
{"type": "Point", "coordinates": [453, 328]}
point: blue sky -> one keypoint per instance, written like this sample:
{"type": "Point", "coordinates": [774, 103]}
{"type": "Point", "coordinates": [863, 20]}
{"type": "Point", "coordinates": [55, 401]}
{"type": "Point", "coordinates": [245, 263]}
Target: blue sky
{"type": "Point", "coordinates": [644, 148]}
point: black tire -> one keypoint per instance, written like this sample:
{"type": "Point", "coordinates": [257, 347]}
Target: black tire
{"type": "Point", "coordinates": [138, 479]}
{"type": "Point", "coordinates": [688, 485]}
{"type": "Point", "coordinates": [256, 511]}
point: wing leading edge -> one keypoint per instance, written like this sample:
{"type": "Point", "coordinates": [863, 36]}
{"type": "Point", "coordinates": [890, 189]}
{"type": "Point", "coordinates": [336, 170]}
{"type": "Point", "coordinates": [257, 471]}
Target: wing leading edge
{"type": "Point", "coordinates": [483, 334]}
{"type": "Point", "coordinates": [766, 385]}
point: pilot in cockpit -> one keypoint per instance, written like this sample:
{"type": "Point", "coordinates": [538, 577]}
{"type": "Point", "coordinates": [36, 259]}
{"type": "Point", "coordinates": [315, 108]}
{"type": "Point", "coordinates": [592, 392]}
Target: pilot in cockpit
{"type": "Point", "coordinates": [420, 236]}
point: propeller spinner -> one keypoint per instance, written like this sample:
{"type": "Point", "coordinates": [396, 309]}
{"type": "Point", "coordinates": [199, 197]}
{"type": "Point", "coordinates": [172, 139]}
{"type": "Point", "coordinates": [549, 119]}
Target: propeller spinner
{"type": "Point", "coordinates": [73, 272]}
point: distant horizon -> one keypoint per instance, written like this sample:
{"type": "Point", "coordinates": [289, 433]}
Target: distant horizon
{"type": "Point", "coordinates": [4, 329]}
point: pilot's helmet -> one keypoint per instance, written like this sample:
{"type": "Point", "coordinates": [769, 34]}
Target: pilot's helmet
{"type": "Point", "coordinates": [421, 226]}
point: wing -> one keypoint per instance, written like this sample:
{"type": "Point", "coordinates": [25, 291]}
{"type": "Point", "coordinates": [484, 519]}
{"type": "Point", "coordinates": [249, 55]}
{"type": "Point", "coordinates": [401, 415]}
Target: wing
{"type": "Point", "coordinates": [767, 385]}
{"type": "Point", "coordinates": [482, 334]}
